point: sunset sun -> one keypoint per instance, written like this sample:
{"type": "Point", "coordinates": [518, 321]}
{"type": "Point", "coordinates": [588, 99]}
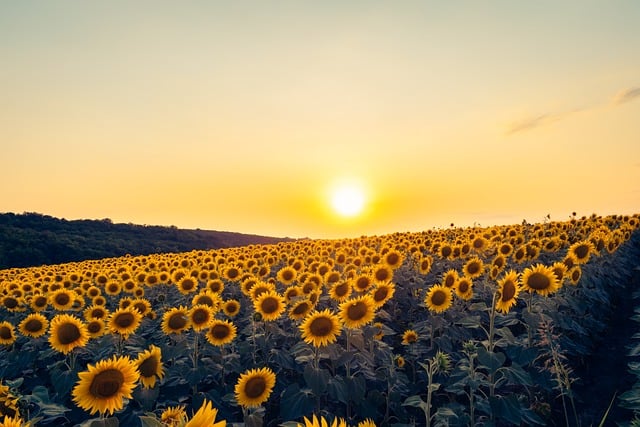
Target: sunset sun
{"type": "Point", "coordinates": [348, 200]}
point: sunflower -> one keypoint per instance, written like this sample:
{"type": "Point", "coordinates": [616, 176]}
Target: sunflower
{"type": "Point", "coordinates": [287, 275]}
{"type": "Point", "coordinates": [382, 274]}
{"type": "Point", "coordinates": [382, 292]}
{"type": "Point", "coordinates": [260, 288]}
{"type": "Point", "coordinates": [173, 416]}
{"type": "Point", "coordinates": [175, 320]}
{"type": "Point", "coordinates": [393, 259]}
{"type": "Point", "coordinates": [399, 361]}
{"type": "Point", "coordinates": [424, 265]}
{"type": "Point", "coordinates": [39, 303]}
{"type": "Point", "coordinates": [95, 312]}
{"type": "Point", "coordinates": [357, 312]}
{"type": "Point", "coordinates": [14, 421]}
{"type": "Point", "coordinates": [254, 387]}
{"type": "Point", "coordinates": [409, 337]}
{"type": "Point", "coordinates": [508, 290]}
{"type": "Point", "coordinates": [12, 303]}
{"type": "Point", "coordinates": [450, 278]}
{"type": "Point", "coordinates": [540, 279]}
{"type": "Point", "coordinates": [142, 305]}
{"type": "Point", "coordinates": [322, 422]}
{"type": "Point", "coordinates": [103, 386]}
{"type": "Point", "coordinates": [367, 423]}
{"type": "Point", "coordinates": [439, 298]}
{"type": "Point", "coordinates": [221, 332]}
{"type": "Point", "coordinates": [473, 268]}
{"type": "Point", "coordinates": [96, 328]}
{"type": "Point", "coordinates": [582, 251]}
{"type": "Point", "coordinates": [270, 305]}
{"type": "Point", "coordinates": [124, 321]}
{"type": "Point", "coordinates": [205, 416]}
{"type": "Point", "coordinates": [200, 316]}
{"type": "Point", "coordinates": [340, 291]}
{"type": "Point", "coordinates": [300, 309]}
{"type": "Point", "coordinates": [67, 332]}
{"type": "Point", "coordinates": [62, 299]}
{"type": "Point", "coordinates": [149, 364]}
{"type": "Point", "coordinates": [7, 333]}
{"type": "Point", "coordinates": [187, 285]}
{"type": "Point", "coordinates": [560, 270]}
{"type": "Point", "coordinates": [231, 307]}
{"type": "Point", "coordinates": [215, 286]}
{"type": "Point", "coordinates": [464, 288]}
{"type": "Point", "coordinates": [34, 325]}
{"type": "Point", "coordinates": [362, 282]}
{"type": "Point", "coordinates": [113, 287]}
{"type": "Point", "coordinates": [99, 300]}
{"type": "Point", "coordinates": [320, 328]}
{"type": "Point", "coordinates": [574, 275]}
{"type": "Point", "coordinates": [291, 293]}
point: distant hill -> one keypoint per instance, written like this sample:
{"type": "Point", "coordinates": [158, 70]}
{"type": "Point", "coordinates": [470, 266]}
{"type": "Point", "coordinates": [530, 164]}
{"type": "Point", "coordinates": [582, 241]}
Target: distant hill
{"type": "Point", "coordinates": [33, 239]}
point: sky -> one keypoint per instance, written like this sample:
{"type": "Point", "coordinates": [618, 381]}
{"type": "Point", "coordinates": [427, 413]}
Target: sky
{"type": "Point", "coordinates": [245, 116]}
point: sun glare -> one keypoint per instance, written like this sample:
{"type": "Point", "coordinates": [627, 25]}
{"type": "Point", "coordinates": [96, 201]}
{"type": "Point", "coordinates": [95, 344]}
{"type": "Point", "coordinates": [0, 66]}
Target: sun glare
{"type": "Point", "coordinates": [348, 200]}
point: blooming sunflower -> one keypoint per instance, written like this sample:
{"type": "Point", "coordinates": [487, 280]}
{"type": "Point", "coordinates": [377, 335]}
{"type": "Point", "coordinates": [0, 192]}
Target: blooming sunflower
{"type": "Point", "coordinates": [95, 312]}
{"type": "Point", "coordinates": [393, 259]}
{"type": "Point", "coordinates": [300, 309]}
{"type": "Point", "coordinates": [382, 292]}
{"type": "Point", "coordinates": [367, 423]}
{"type": "Point", "coordinates": [508, 290]}
{"type": "Point", "coordinates": [142, 305]}
{"type": "Point", "coordinates": [96, 328]}
{"type": "Point", "coordinates": [7, 333]}
{"type": "Point", "coordinates": [231, 307]}
{"type": "Point", "coordinates": [322, 422]}
{"type": "Point", "coordinates": [574, 275]}
{"type": "Point", "coordinates": [187, 285]}
{"type": "Point", "coordinates": [409, 337]}
{"type": "Point", "coordinates": [103, 386]}
{"type": "Point", "coordinates": [560, 270]}
{"type": "Point", "coordinates": [582, 251]}
{"type": "Point", "coordinates": [221, 332]}
{"type": "Point", "coordinates": [175, 320]}
{"type": "Point", "coordinates": [113, 287]}
{"type": "Point", "coordinates": [149, 364]}
{"type": "Point", "coordinates": [39, 303]}
{"type": "Point", "coordinates": [473, 268]}
{"type": "Point", "coordinates": [124, 321]}
{"type": "Point", "coordinates": [449, 278]}
{"type": "Point", "coordinates": [34, 325]}
{"type": "Point", "coordinates": [270, 305]}
{"type": "Point", "coordinates": [205, 416]}
{"type": "Point", "coordinates": [62, 299]}
{"type": "Point", "coordinates": [340, 291]}
{"type": "Point", "coordinates": [424, 265]}
{"type": "Point", "coordinates": [320, 328]}
{"type": "Point", "coordinates": [67, 332]}
{"type": "Point", "coordinates": [464, 288]}
{"type": "Point", "coordinates": [200, 316]}
{"type": "Point", "coordinates": [362, 282]}
{"type": "Point", "coordinates": [173, 416]}
{"type": "Point", "coordinates": [12, 303]}
{"type": "Point", "coordinates": [439, 298]}
{"type": "Point", "coordinates": [357, 312]}
{"type": "Point", "coordinates": [382, 273]}
{"type": "Point", "coordinates": [287, 275]}
{"type": "Point", "coordinates": [540, 279]}
{"type": "Point", "coordinates": [254, 387]}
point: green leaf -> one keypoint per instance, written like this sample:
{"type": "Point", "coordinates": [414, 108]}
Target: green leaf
{"type": "Point", "coordinates": [338, 390]}
{"type": "Point", "coordinates": [470, 322]}
{"type": "Point", "coordinates": [316, 379]}
{"type": "Point", "coordinates": [295, 403]}
{"type": "Point", "coordinates": [147, 421]}
{"type": "Point", "coordinates": [357, 387]}
{"type": "Point", "coordinates": [491, 360]}
{"type": "Point", "coordinates": [446, 412]}
{"type": "Point", "coordinates": [416, 402]}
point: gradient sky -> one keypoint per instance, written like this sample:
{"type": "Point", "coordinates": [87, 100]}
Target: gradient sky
{"type": "Point", "coordinates": [240, 116]}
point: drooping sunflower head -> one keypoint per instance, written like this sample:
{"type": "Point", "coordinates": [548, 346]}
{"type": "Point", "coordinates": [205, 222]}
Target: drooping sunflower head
{"type": "Point", "coordinates": [507, 293]}
{"type": "Point", "coordinates": [439, 298]}
{"type": "Point", "coordinates": [34, 325]}
{"type": "Point", "coordinates": [270, 305]}
{"type": "Point", "coordinates": [300, 309]}
{"type": "Point", "coordinates": [449, 278]}
{"type": "Point", "coordinates": [254, 387]}
{"type": "Point", "coordinates": [221, 332]}
{"type": "Point", "coordinates": [357, 312]}
{"type": "Point", "coordinates": [149, 365]}
{"type": "Point", "coordinates": [67, 332]}
{"type": "Point", "coordinates": [7, 333]}
{"type": "Point", "coordinates": [539, 279]}
{"type": "Point", "coordinates": [320, 328]}
{"type": "Point", "coordinates": [104, 386]}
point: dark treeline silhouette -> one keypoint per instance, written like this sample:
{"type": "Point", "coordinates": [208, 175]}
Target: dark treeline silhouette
{"type": "Point", "coordinates": [33, 239]}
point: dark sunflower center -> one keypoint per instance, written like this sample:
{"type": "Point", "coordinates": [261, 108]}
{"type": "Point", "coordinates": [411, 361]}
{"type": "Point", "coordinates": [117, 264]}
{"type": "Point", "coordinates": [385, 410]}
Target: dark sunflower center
{"type": "Point", "coordinates": [559, 273]}
{"type": "Point", "coordinates": [582, 251]}
{"type": "Point", "coordinates": [68, 333]}
{"type": "Point", "coordinates": [188, 284]}
{"type": "Point", "coordinates": [232, 273]}
{"type": "Point", "coordinates": [287, 275]}
{"type": "Point", "coordinates": [508, 291]}
{"type": "Point", "coordinates": [63, 299]}
{"type": "Point", "coordinates": [380, 294]}
{"type": "Point", "coordinates": [200, 317]}
{"type": "Point", "coordinates": [270, 305]}
{"type": "Point", "coordinates": [341, 289]}
{"type": "Point", "coordinates": [382, 275]}
{"type": "Point", "coordinates": [206, 300]}
{"type": "Point", "coordinates": [321, 326]}
{"type": "Point", "coordinates": [141, 307]}
{"type": "Point", "coordinates": [473, 268]}
{"type": "Point", "coordinates": [301, 308]}
{"type": "Point", "coordinates": [94, 327]}
{"type": "Point", "coordinates": [113, 288]}
{"type": "Point", "coordinates": [33, 325]}
{"type": "Point", "coordinates": [463, 286]}
{"type": "Point", "coordinates": [5, 333]}
{"type": "Point", "coordinates": [40, 301]}
{"type": "Point", "coordinates": [538, 281]}
{"type": "Point", "coordinates": [106, 384]}
{"type": "Point", "coordinates": [124, 320]}
{"type": "Point", "coordinates": [177, 321]}
{"type": "Point", "coordinates": [149, 367]}
{"type": "Point", "coordinates": [10, 302]}
{"type": "Point", "coordinates": [575, 275]}
{"type": "Point", "coordinates": [393, 259]}
{"type": "Point", "coordinates": [449, 281]}
{"type": "Point", "coordinates": [98, 313]}
{"type": "Point", "coordinates": [255, 387]}
{"type": "Point", "coordinates": [478, 243]}
{"type": "Point", "coordinates": [357, 311]}
{"type": "Point", "coordinates": [232, 308]}
{"type": "Point", "coordinates": [438, 298]}
{"type": "Point", "coordinates": [362, 283]}
{"type": "Point", "coordinates": [220, 331]}
{"type": "Point", "coordinates": [446, 251]}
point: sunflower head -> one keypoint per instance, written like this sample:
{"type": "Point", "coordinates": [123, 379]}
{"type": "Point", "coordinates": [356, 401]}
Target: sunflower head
{"type": "Point", "coordinates": [67, 332]}
{"type": "Point", "coordinates": [409, 337]}
{"type": "Point", "coordinates": [439, 298]}
{"type": "Point", "coordinates": [221, 332]}
{"type": "Point", "coordinates": [254, 387]}
{"type": "Point", "coordinates": [320, 328]}
{"type": "Point", "coordinates": [149, 365]}
{"type": "Point", "coordinates": [540, 279]}
{"type": "Point", "coordinates": [357, 312]}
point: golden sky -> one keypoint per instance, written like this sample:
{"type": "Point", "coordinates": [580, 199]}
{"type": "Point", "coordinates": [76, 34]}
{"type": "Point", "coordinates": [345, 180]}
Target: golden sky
{"type": "Point", "coordinates": [243, 116]}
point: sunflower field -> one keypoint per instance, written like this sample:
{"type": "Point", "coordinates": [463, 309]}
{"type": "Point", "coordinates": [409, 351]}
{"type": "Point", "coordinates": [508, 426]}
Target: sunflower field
{"type": "Point", "coordinates": [490, 326]}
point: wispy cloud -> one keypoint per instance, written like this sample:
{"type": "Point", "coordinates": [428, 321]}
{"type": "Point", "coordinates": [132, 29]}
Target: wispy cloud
{"type": "Point", "coordinates": [626, 95]}
{"type": "Point", "coordinates": [529, 123]}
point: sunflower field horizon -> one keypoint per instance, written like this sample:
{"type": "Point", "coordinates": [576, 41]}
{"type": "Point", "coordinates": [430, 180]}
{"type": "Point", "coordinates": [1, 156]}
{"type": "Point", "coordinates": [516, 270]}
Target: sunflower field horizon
{"type": "Point", "coordinates": [491, 326]}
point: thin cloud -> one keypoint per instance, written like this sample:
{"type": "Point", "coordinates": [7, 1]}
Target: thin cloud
{"type": "Point", "coordinates": [534, 122]}
{"type": "Point", "coordinates": [626, 95]}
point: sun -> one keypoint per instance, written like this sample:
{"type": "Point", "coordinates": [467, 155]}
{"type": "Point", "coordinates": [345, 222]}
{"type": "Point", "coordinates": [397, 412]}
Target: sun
{"type": "Point", "coordinates": [348, 200]}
